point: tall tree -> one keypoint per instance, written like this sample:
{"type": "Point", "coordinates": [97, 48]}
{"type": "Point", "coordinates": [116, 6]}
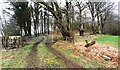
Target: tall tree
{"type": "Point", "coordinates": [80, 26]}
{"type": "Point", "coordinates": [48, 23]}
{"type": "Point", "coordinates": [104, 14]}
{"type": "Point", "coordinates": [41, 17]}
{"type": "Point", "coordinates": [97, 9]}
{"type": "Point", "coordinates": [55, 10]}
{"type": "Point", "coordinates": [22, 16]}
{"type": "Point", "coordinates": [36, 13]}
{"type": "Point", "coordinates": [45, 13]}
{"type": "Point", "coordinates": [91, 6]}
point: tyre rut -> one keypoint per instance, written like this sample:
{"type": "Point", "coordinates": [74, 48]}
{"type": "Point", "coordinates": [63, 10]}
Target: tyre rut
{"type": "Point", "coordinates": [68, 63]}
{"type": "Point", "coordinates": [32, 58]}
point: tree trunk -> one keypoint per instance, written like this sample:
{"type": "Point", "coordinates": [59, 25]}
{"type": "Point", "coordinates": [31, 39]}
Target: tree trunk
{"type": "Point", "coordinates": [48, 24]}
{"type": "Point", "coordinates": [93, 25]}
{"type": "Point", "coordinates": [67, 16]}
{"type": "Point", "coordinates": [35, 29]}
{"type": "Point", "coordinates": [20, 31]}
{"type": "Point", "coordinates": [81, 32]}
{"type": "Point", "coordinates": [29, 27]}
{"type": "Point", "coordinates": [41, 16]}
{"type": "Point", "coordinates": [98, 22]}
{"type": "Point", "coordinates": [25, 28]}
{"type": "Point", "coordinates": [64, 32]}
{"type": "Point", "coordinates": [102, 24]}
{"type": "Point", "coordinates": [42, 28]}
{"type": "Point", "coordinates": [44, 23]}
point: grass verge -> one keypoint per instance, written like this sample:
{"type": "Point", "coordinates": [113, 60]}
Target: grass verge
{"type": "Point", "coordinates": [46, 58]}
{"type": "Point", "coordinates": [15, 58]}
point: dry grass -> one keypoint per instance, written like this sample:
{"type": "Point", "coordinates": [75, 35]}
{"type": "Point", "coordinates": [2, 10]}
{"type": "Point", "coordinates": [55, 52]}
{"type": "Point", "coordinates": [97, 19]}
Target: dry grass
{"type": "Point", "coordinates": [96, 52]}
{"type": "Point", "coordinates": [86, 55]}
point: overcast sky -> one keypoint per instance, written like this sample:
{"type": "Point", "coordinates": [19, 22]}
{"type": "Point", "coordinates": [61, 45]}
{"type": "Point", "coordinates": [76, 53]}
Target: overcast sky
{"type": "Point", "coordinates": [3, 5]}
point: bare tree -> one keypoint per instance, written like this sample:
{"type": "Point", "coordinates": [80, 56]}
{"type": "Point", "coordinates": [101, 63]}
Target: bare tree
{"type": "Point", "coordinates": [91, 6]}
{"type": "Point", "coordinates": [99, 10]}
{"type": "Point", "coordinates": [41, 17]}
{"type": "Point", "coordinates": [35, 16]}
{"type": "Point", "coordinates": [1, 26]}
{"type": "Point", "coordinates": [80, 26]}
{"type": "Point", "coordinates": [55, 10]}
{"type": "Point", "coordinates": [104, 14]}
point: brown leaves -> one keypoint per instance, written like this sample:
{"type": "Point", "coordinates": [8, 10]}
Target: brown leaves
{"type": "Point", "coordinates": [92, 53]}
{"type": "Point", "coordinates": [96, 52]}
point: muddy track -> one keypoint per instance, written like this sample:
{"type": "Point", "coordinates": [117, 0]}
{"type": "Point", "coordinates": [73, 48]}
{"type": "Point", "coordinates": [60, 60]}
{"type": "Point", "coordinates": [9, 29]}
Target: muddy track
{"type": "Point", "coordinates": [68, 63]}
{"type": "Point", "coordinates": [32, 58]}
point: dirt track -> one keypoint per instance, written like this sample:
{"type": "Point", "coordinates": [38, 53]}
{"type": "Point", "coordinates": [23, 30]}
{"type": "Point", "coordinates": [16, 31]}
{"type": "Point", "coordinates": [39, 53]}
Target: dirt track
{"type": "Point", "coordinates": [68, 63]}
{"type": "Point", "coordinates": [32, 57]}
{"type": "Point", "coordinates": [34, 63]}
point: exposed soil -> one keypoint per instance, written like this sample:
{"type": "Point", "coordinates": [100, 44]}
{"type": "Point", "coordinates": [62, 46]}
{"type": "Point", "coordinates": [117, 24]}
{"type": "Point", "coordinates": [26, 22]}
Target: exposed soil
{"type": "Point", "coordinates": [32, 57]}
{"type": "Point", "coordinates": [68, 63]}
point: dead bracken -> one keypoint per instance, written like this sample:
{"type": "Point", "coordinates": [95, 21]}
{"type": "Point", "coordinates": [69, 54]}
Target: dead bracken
{"type": "Point", "coordinates": [107, 55]}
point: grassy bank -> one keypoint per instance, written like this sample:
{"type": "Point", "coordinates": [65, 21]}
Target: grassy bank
{"type": "Point", "coordinates": [101, 39]}
{"type": "Point", "coordinates": [109, 40]}
{"type": "Point", "coordinates": [79, 57]}
{"type": "Point", "coordinates": [82, 61]}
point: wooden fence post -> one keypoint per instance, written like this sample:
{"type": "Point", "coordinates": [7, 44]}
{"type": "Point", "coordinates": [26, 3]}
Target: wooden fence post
{"type": "Point", "coordinates": [3, 41]}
